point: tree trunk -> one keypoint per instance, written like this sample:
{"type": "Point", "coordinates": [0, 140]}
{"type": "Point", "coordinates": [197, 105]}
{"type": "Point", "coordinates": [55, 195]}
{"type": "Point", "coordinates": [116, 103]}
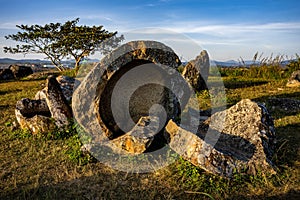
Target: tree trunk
{"type": "Point", "coordinates": [77, 61]}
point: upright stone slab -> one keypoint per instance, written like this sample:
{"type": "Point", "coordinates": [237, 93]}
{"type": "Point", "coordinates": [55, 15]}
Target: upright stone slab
{"type": "Point", "coordinates": [57, 103]}
{"type": "Point", "coordinates": [196, 71]}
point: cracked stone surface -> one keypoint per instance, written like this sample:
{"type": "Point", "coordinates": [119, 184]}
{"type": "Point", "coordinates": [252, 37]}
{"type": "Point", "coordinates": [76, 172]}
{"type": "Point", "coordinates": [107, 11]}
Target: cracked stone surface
{"type": "Point", "coordinates": [245, 142]}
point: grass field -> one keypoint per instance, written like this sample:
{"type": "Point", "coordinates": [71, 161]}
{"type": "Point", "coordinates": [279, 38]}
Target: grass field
{"type": "Point", "coordinates": [52, 167]}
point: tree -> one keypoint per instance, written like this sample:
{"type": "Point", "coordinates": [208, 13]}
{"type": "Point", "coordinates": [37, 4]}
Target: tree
{"type": "Point", "coordinates": [58, 41]}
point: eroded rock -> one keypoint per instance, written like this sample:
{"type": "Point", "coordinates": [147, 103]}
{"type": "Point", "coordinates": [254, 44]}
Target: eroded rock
{"type": "Point", "coordinates": [34, 115]}
{"type": "Point", "coordinates": [57, 103]}
{"type": "Point", "coordinates": [66, 84]}
{"type": "Point", "coordinates": [244, 142]}
{"type": "Point", "coordinates": [20, 71]}
{"type": "Point", "coordinates": [49, 110]}
{"type": "Point", "coordinates": [196, 71]}
{"type": "Point", "coordinates": [294, 80]}
{"type": "Point", "coordinates": [29, 108]}
{"type": "Point", "coordinates": [140, 137]}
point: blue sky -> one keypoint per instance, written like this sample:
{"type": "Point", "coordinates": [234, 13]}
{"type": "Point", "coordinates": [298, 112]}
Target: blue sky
{"type": "Point", "coordinates": [226, 29]}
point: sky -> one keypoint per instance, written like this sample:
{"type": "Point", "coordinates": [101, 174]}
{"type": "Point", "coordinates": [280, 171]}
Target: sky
{"type": "Point", "coordinates": [228, 29]}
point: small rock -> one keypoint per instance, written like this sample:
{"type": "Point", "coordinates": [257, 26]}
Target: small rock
{"type": "Point", "coordinates": [34, 115]}
{"type": "Point", "coordinates": [140, 137]}
{"type": "Point", "coordinates": [20, 71]}
{"type": "Point", "coordinates": [40, 94]}
{"type": "Point", "coordinates": [294, 80]}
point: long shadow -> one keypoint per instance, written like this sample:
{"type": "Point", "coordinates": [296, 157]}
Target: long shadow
{"type": "Point", "coordinates": [4, 107]}
{"type": "Point", "coordinates": [290, 195]}
{"type": "Point", "coordinates": [235, 146]}
{"type": "Point", "coordinates": [9, 91]}
{"type": "Point", "coordinates": [294, 95]}
{"type": "Point", "coordinates": [288, 145]}
{"type": "Point", "coordinates": [235, 84]}
{"type": "Point", "coordinates": [121, 185]}
{"type": "Point", "coordinates": [100, 186]}
{"type": "Point", "coordinates": [281, 105]}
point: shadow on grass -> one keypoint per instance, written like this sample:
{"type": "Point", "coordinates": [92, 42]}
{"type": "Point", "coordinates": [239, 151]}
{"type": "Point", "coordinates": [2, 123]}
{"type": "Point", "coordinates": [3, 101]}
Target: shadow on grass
{"type": "Point", "coordinates": [100, 186]}
{"type": "Point", "coordinates": [281, 105]}
{"type": "Point", "coordinates": [288, 145]}
{"type": "Point", "coordinates": [9, 91]}
{"type": "Point", "coordinates": [4, 107]}
{"type": "Point", "coordinates": [294, 95]}
{"type": "Point", "coordinates": [235, 83]}
{"type": "Point", "coordinates": [290, 195]}
{"type": "Point", "coordinates": [96, 188]}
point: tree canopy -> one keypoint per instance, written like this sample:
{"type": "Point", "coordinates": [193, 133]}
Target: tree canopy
{"type": "Point", "coordinates": [58, 41]}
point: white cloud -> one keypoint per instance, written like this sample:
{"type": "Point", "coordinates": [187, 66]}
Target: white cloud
{"type": "Point", "coordinates": [221, 29]}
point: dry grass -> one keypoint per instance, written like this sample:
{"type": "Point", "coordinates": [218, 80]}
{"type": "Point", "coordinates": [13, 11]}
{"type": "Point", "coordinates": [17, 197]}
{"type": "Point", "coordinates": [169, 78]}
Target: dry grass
{"type": "Point", "coordinates": [37, 167]}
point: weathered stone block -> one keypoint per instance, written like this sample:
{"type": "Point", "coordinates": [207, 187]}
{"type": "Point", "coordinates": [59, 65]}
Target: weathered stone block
{"type": "Point", "coordinates": [241, 138]}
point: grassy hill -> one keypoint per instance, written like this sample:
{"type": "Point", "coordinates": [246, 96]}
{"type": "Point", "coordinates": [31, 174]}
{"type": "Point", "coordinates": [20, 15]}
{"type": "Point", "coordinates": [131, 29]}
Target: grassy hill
{"type": "Point", "coordinates": [52, 167]}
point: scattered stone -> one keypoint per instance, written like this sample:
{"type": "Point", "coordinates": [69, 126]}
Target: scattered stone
{"type": "Point", "coordinates": [86, 148]}
{"type": "Point", "coordinates": [66, 84]}
{"type": "Point", "coordinates": [294, 80]}
{"type": "Point", "coordinates": [36, 124]}
{"type": "Point", "coordinates": [245, 142]}
{"type": "Point", "coordinates": [42, 75]}
{"type": "Point", "coordinates": [140, 137]}
{"type": "Point", "coordinates": [34, 115]}
{"type": "Point", "coordinates": [6, 74]}
{"type": "Point", "coordinates": [57, 103]}
{"type": "Point", "coordinates": [20, 71]}
{"type": "Point", "coordinates": [49, 103]}
{"type": "Point", "coordinates": [196, 71]}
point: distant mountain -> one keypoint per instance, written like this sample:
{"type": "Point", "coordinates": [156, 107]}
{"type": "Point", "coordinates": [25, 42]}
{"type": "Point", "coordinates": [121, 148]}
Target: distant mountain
{"type": "Point", "coordinates": [229, 63]}
{"type": "Point", "coordinates": [23, 61]}
{"type": "Point", "coordinates": [92, 60]}
{"type": "Point", "coordinates": [37, 61]}
{"type": "Point", "coordinates": [248, 63]}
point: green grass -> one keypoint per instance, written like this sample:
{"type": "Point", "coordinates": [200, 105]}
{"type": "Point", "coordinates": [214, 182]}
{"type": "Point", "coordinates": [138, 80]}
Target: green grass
{"type": "Point", "coordinates": [52, 167]}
